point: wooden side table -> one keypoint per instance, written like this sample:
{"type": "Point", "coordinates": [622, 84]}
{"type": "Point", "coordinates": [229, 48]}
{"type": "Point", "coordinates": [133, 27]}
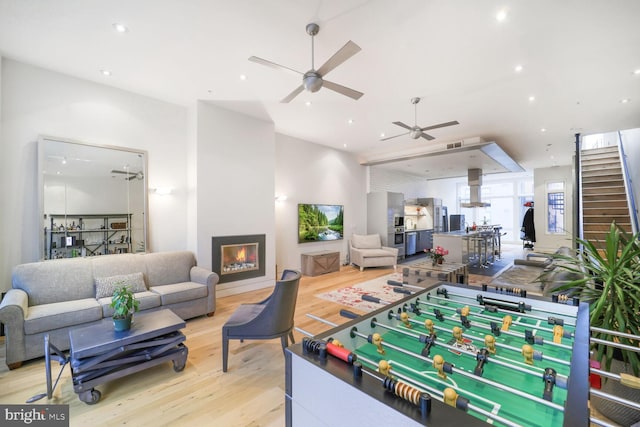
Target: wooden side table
{"type": "Point", "coordinates": [322, 262]}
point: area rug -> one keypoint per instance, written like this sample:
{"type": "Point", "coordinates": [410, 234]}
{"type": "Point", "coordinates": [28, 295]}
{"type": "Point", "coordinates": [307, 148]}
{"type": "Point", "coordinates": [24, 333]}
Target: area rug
{"type": "Point", "coordinates": [352, 296]}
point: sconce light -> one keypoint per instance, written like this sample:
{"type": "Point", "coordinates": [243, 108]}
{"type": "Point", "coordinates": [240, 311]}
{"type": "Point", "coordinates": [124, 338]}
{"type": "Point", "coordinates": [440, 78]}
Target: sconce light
{"type": "Point", "coordinates": [163, 191]}
{"type": "Point", "coordinates": [281, 198]}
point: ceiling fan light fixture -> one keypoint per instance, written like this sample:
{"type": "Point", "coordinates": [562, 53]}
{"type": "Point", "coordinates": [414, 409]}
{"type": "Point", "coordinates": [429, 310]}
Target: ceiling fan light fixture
{"type": "Point", "coordinates": [312, 81]}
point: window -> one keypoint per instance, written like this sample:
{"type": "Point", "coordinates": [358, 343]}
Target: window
{"type": "Point", "coordinates": [555, 208]}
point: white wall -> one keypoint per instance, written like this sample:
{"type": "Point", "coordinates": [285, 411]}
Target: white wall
{"type": "Point", "coordinates": [235, 192]}
{"type": "Point", "coordinates": [312, 173]}
{"type": "Point", "coordinates": [37, 101]}
{"type": "Point", "coordinates": [542, 176]}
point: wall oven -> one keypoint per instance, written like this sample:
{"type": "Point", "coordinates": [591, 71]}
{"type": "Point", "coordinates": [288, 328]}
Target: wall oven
{"type": "Point", "coordinates": [398, 238]}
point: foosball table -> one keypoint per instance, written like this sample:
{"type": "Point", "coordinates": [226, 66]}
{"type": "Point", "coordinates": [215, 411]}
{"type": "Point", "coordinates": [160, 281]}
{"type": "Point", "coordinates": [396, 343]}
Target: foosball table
{"type": "Point", "coordinates": [448, 355]}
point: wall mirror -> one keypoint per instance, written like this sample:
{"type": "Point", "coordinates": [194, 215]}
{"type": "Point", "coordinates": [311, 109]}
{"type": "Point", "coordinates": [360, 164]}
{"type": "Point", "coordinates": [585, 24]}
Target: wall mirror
{"type": "Point", "coordinates": [93, 199]}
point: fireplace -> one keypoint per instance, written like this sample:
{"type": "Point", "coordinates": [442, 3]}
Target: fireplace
{"type": "Point", "coordinates": [238, 257]}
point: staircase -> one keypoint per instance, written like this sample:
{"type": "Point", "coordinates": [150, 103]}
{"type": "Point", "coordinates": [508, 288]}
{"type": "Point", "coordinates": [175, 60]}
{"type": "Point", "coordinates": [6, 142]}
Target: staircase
{"type": "Point", "coordinates": [604, 198]}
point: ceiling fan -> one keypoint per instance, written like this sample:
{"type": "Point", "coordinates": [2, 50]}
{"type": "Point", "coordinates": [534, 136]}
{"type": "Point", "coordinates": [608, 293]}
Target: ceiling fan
{"type": "Point", "coordinates": [130, 175]}
{"type": "Point", "coordinates": [313, 79]}
{"type": "Point", "coordinates": [416, 131]}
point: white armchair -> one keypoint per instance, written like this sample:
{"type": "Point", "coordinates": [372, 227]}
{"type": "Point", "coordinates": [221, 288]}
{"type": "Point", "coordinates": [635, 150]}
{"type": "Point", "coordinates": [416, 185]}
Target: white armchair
{"type": "Point", "coordinates": [367, 251]}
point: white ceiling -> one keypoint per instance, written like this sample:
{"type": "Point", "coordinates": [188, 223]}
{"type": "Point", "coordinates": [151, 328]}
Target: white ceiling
{"type": "Point", "coordinates": [578, 60]}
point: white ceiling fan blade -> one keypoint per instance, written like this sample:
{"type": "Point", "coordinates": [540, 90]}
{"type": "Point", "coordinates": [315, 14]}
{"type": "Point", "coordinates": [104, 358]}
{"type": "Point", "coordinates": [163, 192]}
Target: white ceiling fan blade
{"type": "Point", "coordinates": [427, 137]}
{"type": "Point", "coordinates": [395, 136]}
{"type": "Point", "coordinates": [293, 94]}
{"type": "Point", "coordinates": [402, 125]}
{"type": "Point", "coordinates": [351, 93]}
{"type": "Point", "coordinates": [345, 52]}
{"type": "Point", "coordinates": [441, 125]}
{"type": "Point", "coordinates": [273, 65]}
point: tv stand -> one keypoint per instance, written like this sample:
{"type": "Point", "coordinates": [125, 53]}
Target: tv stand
{"type": "Point", "coordinates": [322, 262]}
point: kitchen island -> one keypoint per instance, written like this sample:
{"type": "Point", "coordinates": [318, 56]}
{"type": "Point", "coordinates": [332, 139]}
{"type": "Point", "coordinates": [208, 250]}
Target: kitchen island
{"type": "Point", "coordinates": [470, 247]}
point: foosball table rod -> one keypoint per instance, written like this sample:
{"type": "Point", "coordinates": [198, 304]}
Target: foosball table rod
{"type": "Point", "coordinates": [567, 334]}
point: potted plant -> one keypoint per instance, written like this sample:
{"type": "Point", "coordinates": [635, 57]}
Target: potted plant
{"type": "Point", "coordinates": [437, 254]}
{"type": "Point", "coordinates": [609, 280]}
{"type": "Point", "coordinates": [124, 304]}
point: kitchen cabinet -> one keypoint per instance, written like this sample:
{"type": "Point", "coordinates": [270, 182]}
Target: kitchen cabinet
{"type": "Point", "coordinates": [424, 240]}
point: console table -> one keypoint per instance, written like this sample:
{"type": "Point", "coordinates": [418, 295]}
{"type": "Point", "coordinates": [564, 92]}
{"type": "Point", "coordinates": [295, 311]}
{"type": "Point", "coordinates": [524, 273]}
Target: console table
{"type": "Point", "coordinates": [316, 263]}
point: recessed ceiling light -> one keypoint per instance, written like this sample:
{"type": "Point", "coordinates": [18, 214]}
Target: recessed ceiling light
{"type": "Point", "coordinates": [105, 72]}
{"type": "Point", "coordinates": [381, 134]}
{"type": "Point", "coordinates": [544, 130]}
{"type": "Point", "coordinates": [636, 72]}
{"type": "Point", "coordinates": [625, 100]}
{"type": "Point", "coordinates": [518, 68]}
{"type": "Point", "coordinates": [350, 121]}
{"type": "Point", "coordinates": [344, 145]}
{"type": "Point", "coordinates": [308, 103]}
{"type": "Point", "coordinates": [501, 15]}
{"type": "Point", "coordinates": [120, 28]}
{"type": "Point", "coordinates": [532, 98]}
{"type": "Point", "coordinates": [243, 77]}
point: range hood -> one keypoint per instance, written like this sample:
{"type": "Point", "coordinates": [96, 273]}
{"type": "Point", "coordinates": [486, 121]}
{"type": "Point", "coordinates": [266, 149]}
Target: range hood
{"type": "Point", "coordinates": [474, 178]}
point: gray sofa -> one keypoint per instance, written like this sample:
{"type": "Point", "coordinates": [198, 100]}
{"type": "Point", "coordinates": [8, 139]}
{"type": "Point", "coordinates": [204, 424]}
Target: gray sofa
{"type": "Point", "coordinates": [54, 296]}
{"type": "Point", "coordinates": [367, 251]}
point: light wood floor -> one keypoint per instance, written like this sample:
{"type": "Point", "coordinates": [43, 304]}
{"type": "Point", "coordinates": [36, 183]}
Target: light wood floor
{"type": "Point", "coordinates": [251, 393]}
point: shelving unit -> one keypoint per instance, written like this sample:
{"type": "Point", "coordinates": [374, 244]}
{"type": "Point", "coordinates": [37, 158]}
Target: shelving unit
{"type": "Point", "coordinates": [67, 236]}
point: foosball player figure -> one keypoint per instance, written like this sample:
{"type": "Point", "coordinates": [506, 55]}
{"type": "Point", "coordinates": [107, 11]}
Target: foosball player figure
{"type": "Point", "coordinates": [482, 357]}
{"type": "Point", "coordinates": [549, 378]}
{"type": "Point", "coordinates": [441, 366]}
{"type": "Point", "coordinates": [376, 340]}
{"type": "Point", "coordinates": [506, 322]}
{"type": "Point", "coordinates": [428, 324]}
{"type": "Point", "coordinates": [457, 334]}
{"type": "Point", "coordinates": [464, 314]}
{"type": "Point", "coordinates": [428, 341]}
{"type": "Point", "coordinates": [384, 368]}
{"type": "Point", "coordinates": [337, 343]}
{"type": "Point", "coordinates": [527, 352]}
{"type": "Point", "coordinates": [558, 332]}
{"type": "Point", "coordinates": [490, 343]}
{"type": "Point", "coordinates": [404, 318]}
{"type": "Point", "coordinates": [452, 398]}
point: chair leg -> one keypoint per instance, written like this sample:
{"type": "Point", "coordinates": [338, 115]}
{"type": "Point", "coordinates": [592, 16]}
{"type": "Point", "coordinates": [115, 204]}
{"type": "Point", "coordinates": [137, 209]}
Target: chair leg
{"type": "Point", "coordinates": [283, 340]}
{"type": "Point", "coordinates": [225, 351]}
{"type": "Point", "coordinates": [293, 341]}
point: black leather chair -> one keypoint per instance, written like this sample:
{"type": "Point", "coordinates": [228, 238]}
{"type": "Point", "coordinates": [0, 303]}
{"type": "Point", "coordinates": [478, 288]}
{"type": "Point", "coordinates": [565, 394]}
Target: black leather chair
{"type": "Point", "coordinates": [268, 319]}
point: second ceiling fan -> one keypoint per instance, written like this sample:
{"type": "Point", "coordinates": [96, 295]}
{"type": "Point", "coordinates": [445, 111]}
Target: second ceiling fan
{"type": "Point", "coordinates": [313, 79]}
{"type": "Point", "coordinates": [416, 131]}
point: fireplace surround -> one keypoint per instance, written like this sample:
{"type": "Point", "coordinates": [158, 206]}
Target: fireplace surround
{"type": "Point", "coordinates": [238, 257]}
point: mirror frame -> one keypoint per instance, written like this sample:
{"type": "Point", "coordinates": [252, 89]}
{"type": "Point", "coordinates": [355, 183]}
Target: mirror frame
{"type": "Point", "coordinates": [42, 140]}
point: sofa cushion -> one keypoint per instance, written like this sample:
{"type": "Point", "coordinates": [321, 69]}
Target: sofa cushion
{"type": "Point", "coordinates": [105, 286]}
{"type": "Point", "coordinates": [371, 253]}
{"type": "Point", "coordinates": [56, 280]}
{"type": "Point", "coordinates": [47, 317]}
{"type": "Point", "coordinates": [179, 292]}
{"type": "Point", "coordinates": [147, 300]}
{"type": "Point", "coordinates": [368, 241]}
{"type": "Point", "coordinates": [165, 268]}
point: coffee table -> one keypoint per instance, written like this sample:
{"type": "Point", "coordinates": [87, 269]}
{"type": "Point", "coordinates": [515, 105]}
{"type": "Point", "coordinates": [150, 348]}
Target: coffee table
{"type": "Point", "coordinates": [99, 354]}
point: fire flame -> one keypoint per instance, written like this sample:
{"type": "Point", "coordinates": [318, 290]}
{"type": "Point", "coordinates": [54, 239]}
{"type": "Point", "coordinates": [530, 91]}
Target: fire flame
{"type": "Point", "coordinates": [241, 255]}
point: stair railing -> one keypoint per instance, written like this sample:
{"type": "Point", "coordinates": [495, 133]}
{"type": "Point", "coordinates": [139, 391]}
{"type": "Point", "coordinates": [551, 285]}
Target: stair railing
{"type": "Point", "coordinates": [631, 201]}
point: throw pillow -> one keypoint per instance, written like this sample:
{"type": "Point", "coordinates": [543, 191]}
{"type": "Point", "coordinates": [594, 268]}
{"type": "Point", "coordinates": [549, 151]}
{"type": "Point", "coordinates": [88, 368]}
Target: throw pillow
{"type": "Point", "coordinates": [106, 285]}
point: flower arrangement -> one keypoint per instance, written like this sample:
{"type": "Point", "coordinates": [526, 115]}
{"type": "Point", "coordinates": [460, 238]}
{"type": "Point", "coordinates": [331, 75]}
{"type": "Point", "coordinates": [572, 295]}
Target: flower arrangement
{"type": "Point", "coordinates": [437, 254]}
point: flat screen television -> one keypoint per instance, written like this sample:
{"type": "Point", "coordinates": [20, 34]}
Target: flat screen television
{"type": "Point", "coordinates": [318, 223]}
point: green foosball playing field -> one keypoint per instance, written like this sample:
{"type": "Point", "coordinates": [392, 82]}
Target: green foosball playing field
{"type": "Point", "coordinates": [501, 359]}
